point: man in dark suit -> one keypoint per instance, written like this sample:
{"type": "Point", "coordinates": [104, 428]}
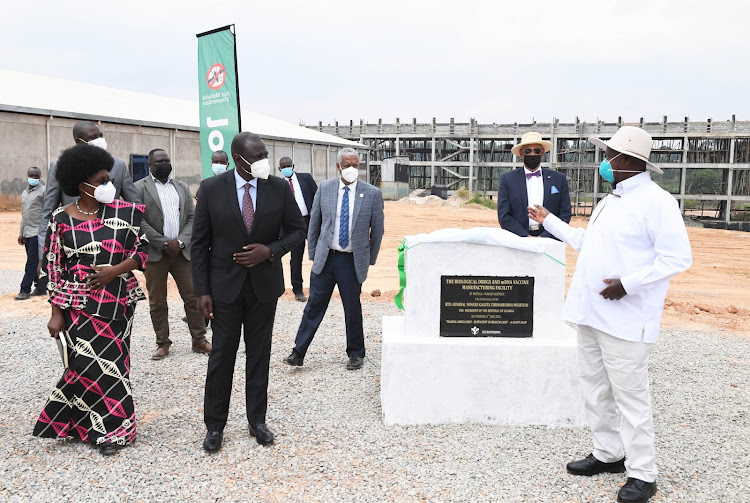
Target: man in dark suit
{"type": "Point", "coordinates": [530, 185]}
{"type": "Point", "coordinates": [346, 229]}
{"type": "Point", "coordinates": [168, 225]}
{"type": "Point", "coordinates": [238, 278]}
{"type": "Point", "coordinates": [83, 132]}
{"type": "Point", "coordinates": [304, 188]}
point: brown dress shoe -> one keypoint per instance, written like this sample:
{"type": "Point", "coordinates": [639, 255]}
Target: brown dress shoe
{"type": "Point", "coordinates": [202, 347]}
{"type": "Point", "coordinates": [160, 353]}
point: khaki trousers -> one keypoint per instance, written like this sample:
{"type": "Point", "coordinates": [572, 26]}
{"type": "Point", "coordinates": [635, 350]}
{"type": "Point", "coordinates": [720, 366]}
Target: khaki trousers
{"type": "Point", "coordinates": [156, 284]}
{"type": "Point", "coordinates": [614, 374]}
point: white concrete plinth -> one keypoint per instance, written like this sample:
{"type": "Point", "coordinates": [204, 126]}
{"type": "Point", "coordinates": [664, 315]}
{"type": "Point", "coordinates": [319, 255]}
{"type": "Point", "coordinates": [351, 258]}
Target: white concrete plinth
{"type": "Point", "coordinates": [428, 379]}
{"type": "Point", "coordinates": [478, 380]}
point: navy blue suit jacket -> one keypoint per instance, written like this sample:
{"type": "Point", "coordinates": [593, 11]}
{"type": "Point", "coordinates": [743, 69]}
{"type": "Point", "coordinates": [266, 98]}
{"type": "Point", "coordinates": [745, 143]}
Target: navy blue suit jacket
{"type": "Point", "coordinates": [309, 188]}
{"type": "Point", "coordinates": [512, 200]}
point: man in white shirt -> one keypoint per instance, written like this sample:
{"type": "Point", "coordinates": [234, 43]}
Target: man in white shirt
{"type": "Point", "coordinates": [635, 242]}
{"type": "Point", "coordinates": [304, 188]}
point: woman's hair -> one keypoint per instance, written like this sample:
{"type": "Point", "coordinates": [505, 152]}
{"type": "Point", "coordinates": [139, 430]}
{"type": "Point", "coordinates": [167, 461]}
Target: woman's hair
{"type": "Point", "coordinates": [78, 164]}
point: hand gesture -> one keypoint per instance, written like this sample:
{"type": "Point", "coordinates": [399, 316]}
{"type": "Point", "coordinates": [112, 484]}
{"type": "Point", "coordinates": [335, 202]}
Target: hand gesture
{"type": "Point", "coordinates": [255, 254]}
{"type": "Point", "coordinates": [538, 213]}
{"type": "Point", "coordinates": [102, 277]}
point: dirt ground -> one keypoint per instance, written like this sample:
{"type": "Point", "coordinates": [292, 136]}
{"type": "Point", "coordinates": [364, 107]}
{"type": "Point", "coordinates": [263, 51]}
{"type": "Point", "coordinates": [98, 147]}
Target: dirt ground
{"type": "Point", "coordinates": [713, 294]}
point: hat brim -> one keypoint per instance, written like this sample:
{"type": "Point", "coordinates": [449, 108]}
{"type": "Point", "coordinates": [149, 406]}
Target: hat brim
{"type": "Point", "coordinates": [604, 145]}
{"type": "Point", "coordinates": [547, 145]}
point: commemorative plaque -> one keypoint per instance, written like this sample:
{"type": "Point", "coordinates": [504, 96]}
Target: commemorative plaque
{"type": "Point", "coordinates": [486, 306]}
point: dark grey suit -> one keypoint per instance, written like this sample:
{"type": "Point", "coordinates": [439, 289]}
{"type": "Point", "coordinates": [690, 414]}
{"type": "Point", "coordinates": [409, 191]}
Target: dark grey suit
{"type": "Point", "coordinates": [54, 197]}
{"type": "Point", "coordinates": [153, 220]}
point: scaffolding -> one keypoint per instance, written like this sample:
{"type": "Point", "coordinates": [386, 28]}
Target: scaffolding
{"type": "Point", "coordinates": [706, 164]}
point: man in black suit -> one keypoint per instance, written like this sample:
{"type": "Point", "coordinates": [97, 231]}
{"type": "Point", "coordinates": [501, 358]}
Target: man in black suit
{"type": "Point", "coordinates": [527, 186]}
{"type": "Point", "coordinates": [237, 277]}
{"type": "Point", "coordinates": [83, 132]}
{"type": "Point", "coordinates": [304, 188]}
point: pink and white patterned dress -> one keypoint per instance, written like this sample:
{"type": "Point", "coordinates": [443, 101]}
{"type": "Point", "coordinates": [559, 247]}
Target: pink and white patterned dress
{"type": "Point", "coordinates": [93, 399]}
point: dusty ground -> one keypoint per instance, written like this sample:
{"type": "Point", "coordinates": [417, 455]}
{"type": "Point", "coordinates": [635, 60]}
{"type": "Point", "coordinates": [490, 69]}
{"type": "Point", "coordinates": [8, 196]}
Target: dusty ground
{"type": "Point", "coordinates": [713, 294]}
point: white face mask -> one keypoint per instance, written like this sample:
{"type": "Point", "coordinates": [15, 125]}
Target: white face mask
{"type": "Point", "coordinates": [104, 193]}
{"type": "Point", "coordinates": [219, 168]}
{"type": "Point", "coordinates": [259, 169]}
{"type": "Point", "coordinates": [98, 142]}
{"type": "Point", "coordinates": [350, 174]}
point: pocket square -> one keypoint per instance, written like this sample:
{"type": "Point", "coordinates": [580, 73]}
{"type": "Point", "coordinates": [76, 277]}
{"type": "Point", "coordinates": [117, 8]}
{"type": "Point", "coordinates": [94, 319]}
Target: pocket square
{"type": "Point", "coordinates": [554, 190]}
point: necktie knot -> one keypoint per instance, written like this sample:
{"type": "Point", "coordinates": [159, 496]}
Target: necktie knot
{"type": "Point", "coordinates": [533, 173]}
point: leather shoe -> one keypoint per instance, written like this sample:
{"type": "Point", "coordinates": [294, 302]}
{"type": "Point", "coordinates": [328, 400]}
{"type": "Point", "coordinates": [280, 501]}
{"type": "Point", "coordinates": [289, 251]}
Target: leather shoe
{"type": "Point", "coordinates": [300, 297]}
{"type": "Point", "coordinates": [294, 359]}
{"type": "Point", "coordinates": [160, 353]}
{"type": "Point", "coordinates": [261, 433]}
{"type": "Point", "coordinates": [636, 491]}
{"type": "Point", "coordinates": [108, 448]}
{"type": "Point", "coordinates": [22, 296]}
{"type": "Point", "coordinates": [38, 291]}
{"type": "Point", "coordinates": [354, 363]}
{"type": "Point", "coordinates": [589, 466]}
{"type": "Point", "coordinates": [202, 347]}
{"type": "Point", "coordinates": [212, 442]}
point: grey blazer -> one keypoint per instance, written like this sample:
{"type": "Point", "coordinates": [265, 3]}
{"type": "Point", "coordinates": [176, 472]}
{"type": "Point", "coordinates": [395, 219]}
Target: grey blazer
{"type": "Point", "coordinates": [367, 226]}
{"type": "Point", "coordinates": [54, 197]}
{"type": "Point", "coordinates": [153, 220]}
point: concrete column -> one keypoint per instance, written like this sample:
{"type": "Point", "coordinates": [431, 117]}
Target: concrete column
{"type": "Point", "coordinates": [432, 165]}
{"type": "Point", "coordinates": [471, 164]}
{"type": "Point", "coordinates": [683, 174]}
{"type": "Point", "coordinates": [730, 177]}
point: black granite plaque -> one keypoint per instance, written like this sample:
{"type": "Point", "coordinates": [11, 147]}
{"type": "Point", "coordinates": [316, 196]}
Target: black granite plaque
{"type": "Point", "coordinates": [486, 306]}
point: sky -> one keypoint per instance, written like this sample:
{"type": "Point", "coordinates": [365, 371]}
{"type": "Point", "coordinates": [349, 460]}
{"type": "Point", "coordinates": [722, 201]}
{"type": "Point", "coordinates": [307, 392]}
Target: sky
{"type": "Point", "coordinates": [334, 60]}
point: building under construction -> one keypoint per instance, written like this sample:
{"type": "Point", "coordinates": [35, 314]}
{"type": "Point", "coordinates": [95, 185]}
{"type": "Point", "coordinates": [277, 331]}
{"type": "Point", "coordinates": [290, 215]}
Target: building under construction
{"type": "Point", "coordinates": [706, 164]}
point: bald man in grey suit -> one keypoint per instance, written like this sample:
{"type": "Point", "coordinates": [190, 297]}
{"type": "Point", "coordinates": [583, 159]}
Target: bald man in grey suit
{"type": "Point", "coordinates": [346, 229]}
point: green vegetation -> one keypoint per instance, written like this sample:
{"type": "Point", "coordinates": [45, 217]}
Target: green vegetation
{"type": "Point", "coordinates": [483, 201]}
{"type": "Point", "coordinates": [463, 193]}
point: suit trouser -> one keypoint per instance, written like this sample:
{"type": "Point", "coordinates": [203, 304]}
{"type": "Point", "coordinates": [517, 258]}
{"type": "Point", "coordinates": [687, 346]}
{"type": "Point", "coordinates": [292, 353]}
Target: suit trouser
{"type": "Point", "coordinates": [156, 284]}
{"type": "Point", "coordinates": [229, 319]}
{"type": "Point", "coordinates": [295, 262]}
{"type": "Point", "coordinates": [32, 261]}
{"type": "Point", "coordinates": [614, 374]}
{"type": "Point", "coordinates": [338, 270]}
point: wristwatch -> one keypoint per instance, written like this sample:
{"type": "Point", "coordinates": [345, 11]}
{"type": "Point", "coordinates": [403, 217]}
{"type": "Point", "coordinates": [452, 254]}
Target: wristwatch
{"type": "Point", "coordinates": [182, 245]}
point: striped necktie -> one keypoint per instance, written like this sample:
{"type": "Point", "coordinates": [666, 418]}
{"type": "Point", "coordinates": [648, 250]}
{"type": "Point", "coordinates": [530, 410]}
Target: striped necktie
{"type": "Point", "coordinates": [344, 220]}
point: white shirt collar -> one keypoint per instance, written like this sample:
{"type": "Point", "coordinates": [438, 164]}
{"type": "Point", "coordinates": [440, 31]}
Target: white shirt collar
{"type": "Point", "coordinates": [629, 184]}
{"type": "Point", "coordinates": [352, 186]}
{"type": "Point", "coordinates": [240, 182]}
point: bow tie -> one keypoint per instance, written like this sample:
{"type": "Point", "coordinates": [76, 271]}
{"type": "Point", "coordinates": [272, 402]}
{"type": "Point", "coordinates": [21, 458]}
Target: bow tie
{"type": "Point", "coordinates": [533, 173]}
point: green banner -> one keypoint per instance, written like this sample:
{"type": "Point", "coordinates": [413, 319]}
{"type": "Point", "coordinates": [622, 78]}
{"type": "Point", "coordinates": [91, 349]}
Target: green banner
{"type": "Point", "coordinates": [219, 98]}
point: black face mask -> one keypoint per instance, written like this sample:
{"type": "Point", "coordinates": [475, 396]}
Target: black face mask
{"type": "Point", "coordinates": [162, 171]}
{"type": "Point", "coordinates": [532, 161]}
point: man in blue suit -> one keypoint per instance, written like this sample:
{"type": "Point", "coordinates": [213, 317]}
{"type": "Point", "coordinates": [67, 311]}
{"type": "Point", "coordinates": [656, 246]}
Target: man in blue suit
{"type": "Point", "coordinates": [346, 229]}
{"type": "Point", "coordinates": [527, 186]}
{"type": "Point", "coordinates": [304, 188]}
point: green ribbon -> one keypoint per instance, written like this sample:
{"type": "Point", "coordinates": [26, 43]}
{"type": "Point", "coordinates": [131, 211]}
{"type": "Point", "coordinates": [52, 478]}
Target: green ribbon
{"type": "Point", "coordinates": [399, 298]}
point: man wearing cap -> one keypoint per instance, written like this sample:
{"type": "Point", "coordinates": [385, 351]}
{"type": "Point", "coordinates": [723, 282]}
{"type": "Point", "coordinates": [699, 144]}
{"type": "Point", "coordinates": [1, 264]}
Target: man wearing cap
{"type": "Point", "coordinates": [634, 243]}
{"type": "Point", "coordinates": [530, 185]}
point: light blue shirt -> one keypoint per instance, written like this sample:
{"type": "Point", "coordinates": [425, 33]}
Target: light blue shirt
{"type": "Point", "coordinates": [239, 183]}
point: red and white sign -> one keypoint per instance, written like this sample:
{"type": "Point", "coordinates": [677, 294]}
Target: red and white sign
{"type": "Point", "coordinates": [216, 76]}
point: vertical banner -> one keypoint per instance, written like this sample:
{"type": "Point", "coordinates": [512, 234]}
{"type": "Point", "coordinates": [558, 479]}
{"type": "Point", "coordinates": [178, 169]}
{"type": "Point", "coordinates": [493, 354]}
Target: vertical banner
{"type": "Point", "coordinates": [219, 97]}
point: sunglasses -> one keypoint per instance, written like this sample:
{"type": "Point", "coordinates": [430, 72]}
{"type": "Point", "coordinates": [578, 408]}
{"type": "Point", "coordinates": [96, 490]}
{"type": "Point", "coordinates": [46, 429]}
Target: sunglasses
{"type": "Point", "coordinates": [528, 151]}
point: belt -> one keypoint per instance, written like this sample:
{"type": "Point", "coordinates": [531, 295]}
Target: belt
{"type": "Point", "coordinates": [338, 252]}
{"type": "Point", "coordinates": [536, 232]}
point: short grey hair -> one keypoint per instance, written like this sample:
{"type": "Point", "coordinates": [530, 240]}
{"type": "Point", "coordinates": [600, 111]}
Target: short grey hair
{"type": "Point", "coordinates": [345, 151]}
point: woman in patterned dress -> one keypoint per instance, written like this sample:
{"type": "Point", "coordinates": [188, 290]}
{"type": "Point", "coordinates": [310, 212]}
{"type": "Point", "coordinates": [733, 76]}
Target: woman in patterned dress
{"type": "Point", "coordinates": [90, 250]}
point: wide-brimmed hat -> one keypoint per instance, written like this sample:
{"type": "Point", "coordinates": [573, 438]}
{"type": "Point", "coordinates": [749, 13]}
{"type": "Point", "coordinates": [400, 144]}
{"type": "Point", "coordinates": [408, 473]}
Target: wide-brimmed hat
{"type": "Point", "coordinates": [632, 141]}
{"type": "Point", "coordinates": [531, 138]}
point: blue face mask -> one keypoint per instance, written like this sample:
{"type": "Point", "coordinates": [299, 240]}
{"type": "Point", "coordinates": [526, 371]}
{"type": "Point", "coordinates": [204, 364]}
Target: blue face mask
{"type": "Point", "coordinates": [287, 172]}
{"type": "Point", "coordinates": [605, 169]}
{"type": "Point", "coordinates": [33, 182]}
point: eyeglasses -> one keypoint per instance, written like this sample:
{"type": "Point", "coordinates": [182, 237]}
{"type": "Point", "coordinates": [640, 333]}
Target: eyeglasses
{"type": "Point", "coordinates": [527, 151]}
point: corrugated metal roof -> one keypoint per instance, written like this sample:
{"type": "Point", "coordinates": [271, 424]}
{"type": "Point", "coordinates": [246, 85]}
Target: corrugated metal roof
{"type": "Point", "coordinates": [37, 94]}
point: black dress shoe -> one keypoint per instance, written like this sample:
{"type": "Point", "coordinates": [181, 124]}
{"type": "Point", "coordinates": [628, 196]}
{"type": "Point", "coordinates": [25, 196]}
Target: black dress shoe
{"type": "Point", "coordinates": [592, 466]}
{"type": "Point", "coordinates": [636, 491]}
{"type": "Point", "coordinates": [212, 442]}
{"type": "Point", "coordinates": [354, 363]}
{"type": "Point", "coordinates": [108, 448]}
{"type": "Point", "coordinates": [294, 359]}
{"type": "Point", "coordinates": [261, 433]}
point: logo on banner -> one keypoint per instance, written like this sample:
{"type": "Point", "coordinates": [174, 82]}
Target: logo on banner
{"type": "Point", "coordinates": [216, 76]}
